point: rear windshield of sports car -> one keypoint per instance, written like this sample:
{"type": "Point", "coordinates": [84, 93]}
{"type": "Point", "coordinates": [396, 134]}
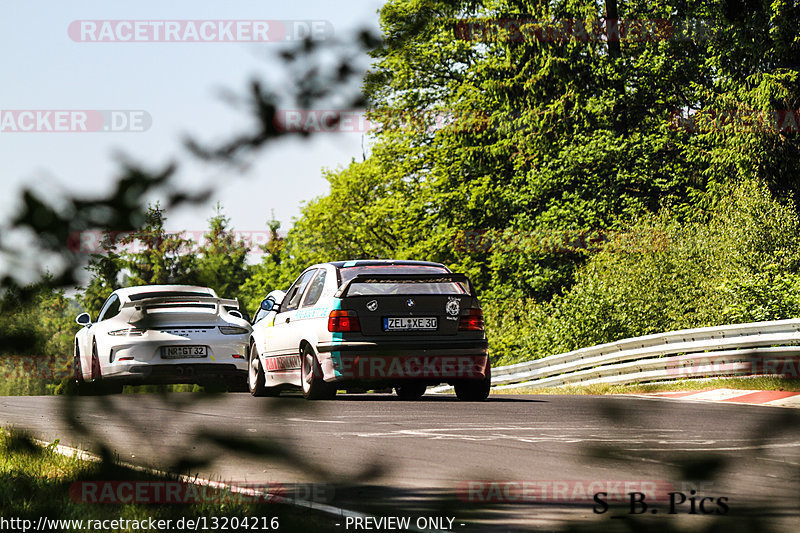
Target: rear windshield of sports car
{"type": "Point", "coordinates": [401, 288]}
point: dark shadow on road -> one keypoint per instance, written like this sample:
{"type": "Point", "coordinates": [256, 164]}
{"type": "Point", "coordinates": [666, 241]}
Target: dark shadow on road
{"type": "Point", "coordinates": [424, 399]}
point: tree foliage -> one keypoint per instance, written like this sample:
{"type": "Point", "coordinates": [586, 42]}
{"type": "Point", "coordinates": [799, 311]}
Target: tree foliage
{"type": "Point", "coordinates": [222, 259]}
{"type": "Point", "coordinates": [36, 320]}
{"type": "Point", "coordinates": [151, 255]}
{"type": "Point", "coordinates": [526, 137]}
{"type": "Point", "coordinates": [157, 257]}
{"type": "Point", "coordinates": [742, 265]}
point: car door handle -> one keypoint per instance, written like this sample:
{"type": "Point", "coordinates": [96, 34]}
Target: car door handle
{"type": "Point", "coordinates": [288, 318]}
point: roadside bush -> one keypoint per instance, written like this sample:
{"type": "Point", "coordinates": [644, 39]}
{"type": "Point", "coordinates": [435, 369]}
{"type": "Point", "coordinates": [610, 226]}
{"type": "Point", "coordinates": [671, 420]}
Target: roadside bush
{"type": "Point", "coordinates": [36, 320]}
{"type": "Point", "coordinates": [740, 264]}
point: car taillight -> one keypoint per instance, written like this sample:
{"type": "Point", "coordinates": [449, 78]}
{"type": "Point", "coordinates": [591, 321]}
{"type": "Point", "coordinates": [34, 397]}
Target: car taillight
{"type": "Point", "coordinates": [128, 332]}
{"type": "Point", "coordinates": [472, 321]}
{"type": "Point", "coordinates": [343, 321]}
{"type": "Point", "coordinates": [233, 330]}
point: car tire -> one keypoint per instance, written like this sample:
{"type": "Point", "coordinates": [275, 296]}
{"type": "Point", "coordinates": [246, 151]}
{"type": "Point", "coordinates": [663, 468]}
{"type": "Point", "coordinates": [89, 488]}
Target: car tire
{"type": "Point", "coordinates": [82, 388]}
{"type": "Point", "coordinates": [77, 368]}
{"type": "Point", "coordinates": [98, 385]}
{"type": "Point", "coordinates": [238, 385]}
{"type": "Point", "coordinates": [474, 390]}
{"type": "Point", "coordinates": [97, 373]}
{"type": "Point", "coordinates": [314, 387]}
{"type": "Point", "coordinates": [413, 390]}
{"type": "Point", "coordinates": [256, 380]}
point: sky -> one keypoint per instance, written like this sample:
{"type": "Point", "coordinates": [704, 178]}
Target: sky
{"type": "Point", "coordinates": [167, 90]}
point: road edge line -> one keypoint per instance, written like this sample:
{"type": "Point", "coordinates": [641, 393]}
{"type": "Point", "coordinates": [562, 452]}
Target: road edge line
{"type": "Point", "coordinates": [71, 451]}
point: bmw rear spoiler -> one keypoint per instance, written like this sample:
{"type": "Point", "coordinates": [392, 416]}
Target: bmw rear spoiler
{"type": "Point", "coordinates": [146, 304]}
{"type": "Point", "coordinates": [406, 278]}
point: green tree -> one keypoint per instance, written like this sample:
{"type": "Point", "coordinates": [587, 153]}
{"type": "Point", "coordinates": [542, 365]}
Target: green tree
{"type": "Point", "coordinates": [271, 273]}
{"type": "Point", "coordinates": [105, 270]}
{"type": "Point", "coordinates": [37, 320]}
{"type": "Point", "coordinates": [222, 259]}
{"type": "Point", "coordinates": [741, 265]}
{"type": "Point", "coordinates": [524, 138]}
{"type": "Point", "coordinates": [152, 257]}
{"type": "Point", "coordinates": [158, 257]}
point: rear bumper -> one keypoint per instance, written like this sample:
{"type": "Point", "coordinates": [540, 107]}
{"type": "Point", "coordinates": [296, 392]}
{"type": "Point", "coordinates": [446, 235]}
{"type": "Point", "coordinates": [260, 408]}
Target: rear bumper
{"type": "Point", "coordinates": [433, 362]}
{"type": "Point", "coordinates": [449, 347]}
{"type": "Point", "coordinates": [147, 349]}
{"type": "Point", "coordinates": [174, 373]}
{"type": "Point", "coordinates": [141, 362]}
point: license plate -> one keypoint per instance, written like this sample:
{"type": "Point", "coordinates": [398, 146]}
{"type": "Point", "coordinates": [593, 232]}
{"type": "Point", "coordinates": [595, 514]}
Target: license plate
{"type": "Point", "coordinates": [179, 352]}
{"type": "Point", "coordinates": [408, 323]}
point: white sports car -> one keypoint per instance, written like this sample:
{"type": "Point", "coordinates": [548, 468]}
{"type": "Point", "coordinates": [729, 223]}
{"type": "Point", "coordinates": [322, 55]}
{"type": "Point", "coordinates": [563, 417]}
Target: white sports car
{"type": "Point", "coordinates": [163, 334]}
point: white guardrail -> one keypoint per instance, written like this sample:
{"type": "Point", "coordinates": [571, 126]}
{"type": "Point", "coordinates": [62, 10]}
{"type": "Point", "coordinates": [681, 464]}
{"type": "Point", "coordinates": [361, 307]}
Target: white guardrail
{"type": "Point", "coordinates": [760, 348]}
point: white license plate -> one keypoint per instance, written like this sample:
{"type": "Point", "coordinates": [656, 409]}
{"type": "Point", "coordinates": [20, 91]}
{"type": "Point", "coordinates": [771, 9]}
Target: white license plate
{"type": "Point", "coordinates": [179, 352]}
{"type": "Point", "coordinates": [408, 323]}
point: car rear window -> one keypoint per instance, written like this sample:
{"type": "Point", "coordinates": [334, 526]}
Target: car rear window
{"type": "Point", "coordinates": [405, 288]}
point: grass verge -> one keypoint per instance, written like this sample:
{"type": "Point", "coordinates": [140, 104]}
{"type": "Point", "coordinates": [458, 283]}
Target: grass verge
{"type": "Point", "coordinates": [35, 482]}
{"type": "Point", "coordinates": [41, 387]}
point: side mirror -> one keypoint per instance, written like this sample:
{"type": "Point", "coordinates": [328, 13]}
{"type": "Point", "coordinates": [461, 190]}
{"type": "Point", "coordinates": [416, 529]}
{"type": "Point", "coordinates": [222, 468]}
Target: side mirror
{"type": "Point", "coordinates": [83, 319]}
{"type": "Point", "coordinates": [268, 304]}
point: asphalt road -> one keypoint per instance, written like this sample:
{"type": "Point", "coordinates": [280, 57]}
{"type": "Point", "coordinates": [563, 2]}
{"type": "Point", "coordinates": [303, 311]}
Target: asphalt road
{"type": "Point", "coordinates": [377, 454]}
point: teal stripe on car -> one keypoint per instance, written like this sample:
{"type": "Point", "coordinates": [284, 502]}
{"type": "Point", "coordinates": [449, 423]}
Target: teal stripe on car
{"type": "Point", "coordinates": [336, 356]}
